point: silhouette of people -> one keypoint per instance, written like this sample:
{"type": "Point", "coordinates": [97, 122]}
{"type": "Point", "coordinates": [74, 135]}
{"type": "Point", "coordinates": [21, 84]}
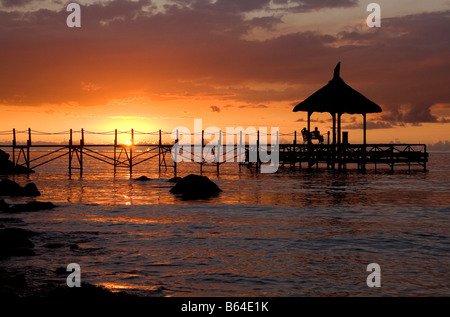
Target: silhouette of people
{"type": "Point", "coordinates": [305, 135]}
{"type": "Point", "coordinates": [316, 135]}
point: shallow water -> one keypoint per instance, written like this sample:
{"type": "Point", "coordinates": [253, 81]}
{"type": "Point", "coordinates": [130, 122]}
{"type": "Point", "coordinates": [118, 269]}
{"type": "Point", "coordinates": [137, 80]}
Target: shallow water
{"type": "Point", "coordinates": [286, 234]}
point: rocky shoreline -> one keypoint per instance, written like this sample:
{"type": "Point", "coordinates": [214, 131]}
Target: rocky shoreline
{"type": "Point", "coordinates": [17, 241]}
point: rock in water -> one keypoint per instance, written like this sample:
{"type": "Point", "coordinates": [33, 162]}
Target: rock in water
{"type": "Point", "coordinates": [142, 179]}
{"type": "Point", "coordinates": [175, 179]}
{"type": "Point", "coordinates": [195, 187]}
{"type": "Point", "coordinates": [31, 206]}
{"type": "Point", "coordinates": [30, 189]}
{"type": "Point", "coordinates": [11, 188]}
{"type": "Point", "coordinates": [15, 242]}
{"type": "Point", "coordinates": [8, 168]}
{"type": "Point", "coordinates": [3, 205]}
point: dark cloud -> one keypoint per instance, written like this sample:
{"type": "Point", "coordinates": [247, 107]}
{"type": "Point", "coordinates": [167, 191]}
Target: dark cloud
{"type": "Point", "coordinates": [440, 146]}
{"type": "Point", "coordinates": [411, 114]}
{"type": "Point", "coordinates": [244, 6]}
{"type": "Point", "coordinates": [215, 109]}
{"type": "Point", "coordinates": [310, 5]}
{"type": "Point", "coordinates": [371, 125]}
{"type": "Point", "coordinates": [199, 48]}
{"type": "Point", "coordinates": [241, 6]}
{"type": "Point", "coordinates": [312, 120]}
{"type": "Point", "coordinates": [254, 106]}
{"type": "Point", "coordinates": [14, 3]}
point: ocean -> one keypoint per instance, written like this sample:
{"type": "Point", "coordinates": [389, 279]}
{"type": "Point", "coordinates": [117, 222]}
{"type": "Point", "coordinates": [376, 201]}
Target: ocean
{"type": "Point", "coordinates": [292, 233]}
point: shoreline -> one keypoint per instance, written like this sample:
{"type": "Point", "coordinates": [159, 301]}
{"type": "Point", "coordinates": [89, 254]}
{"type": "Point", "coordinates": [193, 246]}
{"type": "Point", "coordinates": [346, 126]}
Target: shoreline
{"type": "Point", "coordinates": [15, 283]}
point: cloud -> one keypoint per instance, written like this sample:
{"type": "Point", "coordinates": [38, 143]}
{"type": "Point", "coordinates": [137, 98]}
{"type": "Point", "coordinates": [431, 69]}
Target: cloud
{"type": "Point", "coordinates": [195, 49]}
{"type": "Point", "coordinates": [310, 5]}
{"type": "Point", "coordinates": [370, 125]}
{"type": "Point", "coordinates": [89, 86]}
{"type": "Point", "coordinates": [413, 114]}
{"type": "Point", "coordinates": [440, 146]}
{"type": "Point", "coordinates": [245, 6]}
{"type": "Point", "coordinates": [215, 109]}
{"type": "Point", "coordinates": [259, 106]}
{"type": "Point", "coordinates": [14, 3]}
{"type": "Point", "coordinates": [312, 120]}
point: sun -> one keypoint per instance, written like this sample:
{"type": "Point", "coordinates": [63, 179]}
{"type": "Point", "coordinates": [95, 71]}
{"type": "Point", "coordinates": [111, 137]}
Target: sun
{"type": "Point", "coordinates": [128, 143]}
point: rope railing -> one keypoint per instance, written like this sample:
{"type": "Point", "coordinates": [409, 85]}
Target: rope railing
{"type": "Point", "coordinates": [48, 133]}
{"type": "Point", "coordinates": [135, 132]}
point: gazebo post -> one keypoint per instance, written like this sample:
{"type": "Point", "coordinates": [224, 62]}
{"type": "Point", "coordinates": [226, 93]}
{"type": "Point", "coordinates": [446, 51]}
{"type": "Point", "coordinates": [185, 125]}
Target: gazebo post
{"type": "Point", "coordinates": [339, 128]}
{"type": "Point", "coordinates": [309, 121]}
{"type": "Point", "coordinates": [309, 126]}
{"type": "Point", "coordinates": [334, 128]}
{"type": "Point", "coordinates": [363, 165]}
{"type": "Point", "coordinates": [364, 128]}
{"type": "Point", "coordinates": [333, 151]}
{"type": "Point", "coordinates": [339, 151]}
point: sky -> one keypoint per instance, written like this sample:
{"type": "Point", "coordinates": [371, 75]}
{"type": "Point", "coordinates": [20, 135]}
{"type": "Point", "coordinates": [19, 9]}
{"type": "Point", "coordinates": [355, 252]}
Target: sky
{"type": "Point", "coordinates": [160, 64]}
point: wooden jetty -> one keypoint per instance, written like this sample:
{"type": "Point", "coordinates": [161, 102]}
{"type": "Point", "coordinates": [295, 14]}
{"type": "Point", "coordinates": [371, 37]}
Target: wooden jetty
{"type": "Point", "coordinates": [361, 155]}
{"type": "Point", "coordinates": [293, 155]}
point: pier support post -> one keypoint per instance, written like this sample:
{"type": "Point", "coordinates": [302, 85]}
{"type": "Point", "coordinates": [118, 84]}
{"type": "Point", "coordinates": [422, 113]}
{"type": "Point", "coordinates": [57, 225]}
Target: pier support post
{"type": "Point", "coordinates": [70, 152]}
{"type": "Point", "coordinates": [239, 149]}
{"type": "Point", "coordinates": [14, 143]}
{"type": "Point", "coordinates": [201, 152]}
{"type": "Point", "coordinates": [115, 151]}
{"type": "Point", "coordinates": [219, 146]}
{"type": "Point", "coordinates": [159, 153]}
{"type": "Point", "coordinates": [28, 148]}
{"type": "Point", "coordinates": [258, 161]}
{"type": "Point", "coordinates": [175, 161]}
{"type": "Point", "coordinates": [81, 152]}
{"type": "Point", "coordinates": [131, 152]}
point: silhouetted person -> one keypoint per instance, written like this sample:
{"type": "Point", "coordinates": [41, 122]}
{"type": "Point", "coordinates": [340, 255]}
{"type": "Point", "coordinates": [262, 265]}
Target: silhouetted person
{"type": "Point", "coordinates": [305, 135]}
{"type": "Point", "coordinates": [316, 135]}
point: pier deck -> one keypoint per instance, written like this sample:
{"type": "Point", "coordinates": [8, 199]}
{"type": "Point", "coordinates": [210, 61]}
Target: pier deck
{"type": "Point", "coordinates": [291, 155]}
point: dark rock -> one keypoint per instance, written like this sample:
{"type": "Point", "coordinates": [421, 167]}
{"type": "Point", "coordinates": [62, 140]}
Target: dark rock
{"type": "Point", "coordinates": [19, 232]}
{"type": "Point", "coordinates": [4, 156]}
{"type": "Point", "coordinates": [142, 179]}
{"type": "Point", "coordinates": [3, 205]}
{"type": "Point", "coordinates": [61, 271]}
{"type": "Point", "coordinates": [11, 220]}
{"type": "Point", "coordinates": [30, 189]}
{"type": "Point", "coordinates": [175, 179]}
{"type": "Point", "coordinates": [15, 242]}
{"type": "Point", "coordinates": [11, 188]}
{"type": "Point", "coordinates": [195, 187]}
{"type": "Point", "coordinates": [54, 245]}
{"type": "Point", "coordinates": [31, 206]}
{"type": "Point", "coordinates": [12, 279]}
{"type": "Point", "coordinates": [8, 168]}
{"type": "Point", "coordinates": [86, 292]}
{"type": "Point", "coordinates": [12, 284]}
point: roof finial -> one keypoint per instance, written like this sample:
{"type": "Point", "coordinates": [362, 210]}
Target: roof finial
{"type": "Point", "coordinates": [337, 70]}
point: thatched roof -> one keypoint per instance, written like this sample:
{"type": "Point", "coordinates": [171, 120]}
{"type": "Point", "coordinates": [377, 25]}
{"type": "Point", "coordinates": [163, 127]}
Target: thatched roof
{"type": "Point", "coordinates": [337, 97]}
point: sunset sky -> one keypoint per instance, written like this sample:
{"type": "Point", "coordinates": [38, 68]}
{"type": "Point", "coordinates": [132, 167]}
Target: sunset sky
{"type": "Point", "coordinates": [159, 64]}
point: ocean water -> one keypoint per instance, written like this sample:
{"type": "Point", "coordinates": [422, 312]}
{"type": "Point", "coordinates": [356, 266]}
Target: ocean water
{"type": "Point", "coordinates": [292, 233]}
